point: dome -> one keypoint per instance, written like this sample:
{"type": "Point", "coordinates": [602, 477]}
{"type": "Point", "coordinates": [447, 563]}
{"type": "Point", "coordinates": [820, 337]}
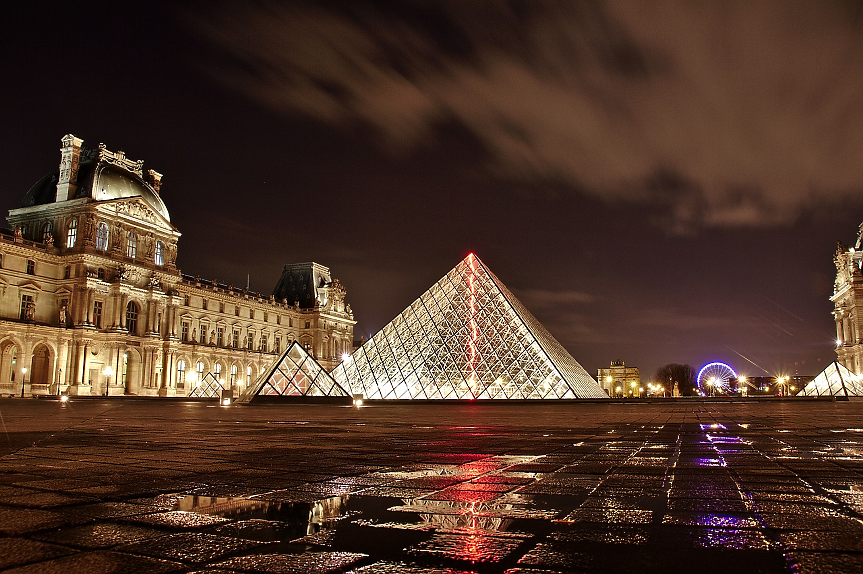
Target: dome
{"type": "Point", "coordinates": [112, 182]}
{"type": "Point", "coordinates": [100, 180]}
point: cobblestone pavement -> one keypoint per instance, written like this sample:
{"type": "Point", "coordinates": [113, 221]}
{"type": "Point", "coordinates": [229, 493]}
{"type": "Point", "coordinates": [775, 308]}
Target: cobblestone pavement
{"type": "Point", "coordinates": [122, 485]}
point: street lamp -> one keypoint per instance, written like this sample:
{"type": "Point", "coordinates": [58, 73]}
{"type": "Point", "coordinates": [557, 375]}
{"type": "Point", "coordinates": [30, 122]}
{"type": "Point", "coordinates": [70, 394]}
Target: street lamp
{"type": "Point", "coordinates": [107, 371]}
{"type": "Point", "coordinates": [23, 380]}
{"type": "Point", "coordinates": [710, 384]}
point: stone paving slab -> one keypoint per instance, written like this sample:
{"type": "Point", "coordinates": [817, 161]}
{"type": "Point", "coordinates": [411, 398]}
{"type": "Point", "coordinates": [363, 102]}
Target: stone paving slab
{"type": "Point", "coordinates": [111, 485]}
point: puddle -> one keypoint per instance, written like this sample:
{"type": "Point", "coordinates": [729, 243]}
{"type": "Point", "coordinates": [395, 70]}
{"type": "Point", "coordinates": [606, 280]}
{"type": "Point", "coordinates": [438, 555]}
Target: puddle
{"type": "Point", "coordinates": [291, 520]}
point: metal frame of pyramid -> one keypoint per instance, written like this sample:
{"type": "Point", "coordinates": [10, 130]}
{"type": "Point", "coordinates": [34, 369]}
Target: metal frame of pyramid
{"type": "Point", "coordinates": [207, 388]}
{"type": "Point", "coordinates": [295, 375]}
{"type": "Point", "coordinates": [834, 381]}
{"type": "Point", "coordinates": [466, 338]}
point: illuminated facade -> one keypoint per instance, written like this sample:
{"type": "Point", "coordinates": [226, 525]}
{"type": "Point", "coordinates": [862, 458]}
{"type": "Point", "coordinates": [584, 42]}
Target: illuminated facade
{"type": "Point", "coordinates": [834, 381]}
{"type": "Point", "coordinates": [92, 302]}
{"type": "Point", "coordinates": [467, 337]}
{"type": "Point", "coordinates": [848, 304]}
{"type": "Point", "coordinates": [619, 380]}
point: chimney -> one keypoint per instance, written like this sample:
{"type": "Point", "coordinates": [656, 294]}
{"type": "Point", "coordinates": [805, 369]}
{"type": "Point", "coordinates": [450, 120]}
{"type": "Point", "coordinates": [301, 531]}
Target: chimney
{"type": "Point", "coordinates": [70, 156]}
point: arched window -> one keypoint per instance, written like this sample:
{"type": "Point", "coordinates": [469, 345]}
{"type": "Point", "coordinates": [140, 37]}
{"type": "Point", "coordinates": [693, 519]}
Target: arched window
{"type": "Point", "coordinates": [102, 236]}
{"type": "Point", "coordinates": [132, 317]}
{"type": "Point", "coordinates": [248, 376]}
{"type": "Point", "coordinates": [132, 245]}
{"type": "Point", "coordinates": [199, 368]}
{"type": "Point", "coordinates": [159, 254]}
{"type": "Point", "coordinates": [48, 233]}
{"type": "Point", "coordinates": [181, 371]}
{"type": "Point", "coordinates": [72, 233]}
{"type": "Point", "coordinates": [233, 373]}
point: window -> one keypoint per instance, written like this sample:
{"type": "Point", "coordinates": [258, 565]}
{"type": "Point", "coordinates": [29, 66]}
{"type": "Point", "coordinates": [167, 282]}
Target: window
{"type": "Point", "coordinates": [48, 233]}
{"type": "Point", "coordinates": [184, 332]}
{"type": "Point", "coordinates": [102, 236]}
{"type": "Point", "coordinates": [278, 319]}
{"type": "Point", "coordinates": [100, 273]}
{"type": "Point", "coordinates": [202, 331]}
{"type": "Point", "coordinates": [237, 310]}
{"type": "Point", "coordinates": [236, 340]}
{"type": "Point", "coordinates": [290, 321]}
{"type": "Point", "coordinates": [264, 343]}
{"type": "Point", "coordinates": [217, 369]}
{"type": "Point", "coordinates": [233, 373]}
{"type": "Point", "coordinates": [220, 334]}
{"type": "Point", "coordinates": [248, 375]}
{"type": "Point", "coordinates": [204, 304]}
{"type": "Point", "coordinates": [158, 256]}
{"type": "Point", "coordinates": [221, 307]}
{"type": "Point", "coordinates": [97, 314]}
{"type": "Point", "coordinates": [308, 324]}
{"type": "Point", "coordinates": [72, 233]}
{"type": "Point", "coordinates": [250, 343]}
{"type": "Point", "coordinates": [28, 307]}
{"type": "Point", "coordinates": [186, 300]}
{"type": "Point", "coordinates": [251, 314]}
{"type": "Point", "coordinates": [266, 316]}
{"type": "Point", "coordinates": [67, 272]}
{"type": "Point", "coordinates": [132, 245]}
{"type": "Point", "coordinates": [132, 317]}
{"type": "Point", "coordinates": [199, 368]}
{"type": "Point", "coordinates": [14, 365]}
{"type": "Point", "coordinates": [181, 371]}
{"type": "Point", "coordinates": [31, 267]}
{"type": "Point", "coordinates": [277, 344]}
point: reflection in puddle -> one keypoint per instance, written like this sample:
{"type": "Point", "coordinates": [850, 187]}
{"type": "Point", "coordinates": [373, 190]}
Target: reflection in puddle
{"type": "Point", "coordinates": [296, 519]}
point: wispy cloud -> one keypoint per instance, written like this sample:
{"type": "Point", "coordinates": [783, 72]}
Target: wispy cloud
{"type": "Point", "coordinates": [725, 113]}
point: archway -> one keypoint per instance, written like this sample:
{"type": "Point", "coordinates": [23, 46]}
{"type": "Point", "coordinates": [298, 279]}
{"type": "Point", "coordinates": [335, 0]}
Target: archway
{"type": "Point", "coordinates": [9, 375]}
{"type": "Point", "coordinates": [40, 369]}
{"type": "Point", "coordinates": [131, 365]}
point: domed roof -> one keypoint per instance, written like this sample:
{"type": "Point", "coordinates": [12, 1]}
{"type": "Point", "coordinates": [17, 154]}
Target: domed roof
{"type": "Point", "coordinates": [101, 180]}
{"type": "Point", "coordinates": [112, 182]}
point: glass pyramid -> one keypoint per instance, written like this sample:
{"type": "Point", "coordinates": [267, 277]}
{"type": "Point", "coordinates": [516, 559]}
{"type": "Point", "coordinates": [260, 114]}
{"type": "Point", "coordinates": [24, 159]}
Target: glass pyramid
{"type": "Point", "coordinates": [467, 337]}
{"type": "Point", "coordinates": [294, 374]}
{"type": "Point", "coordinates": [835, 380]}
{"type": "Point", "coordinates": [207, 387]}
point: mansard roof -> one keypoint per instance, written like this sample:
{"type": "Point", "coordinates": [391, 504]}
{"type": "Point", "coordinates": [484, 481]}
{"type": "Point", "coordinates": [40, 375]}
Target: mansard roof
{"type": "Point", "coordinates": [102, 175]}
{"type": "Point", "coordinates": [300, 283]}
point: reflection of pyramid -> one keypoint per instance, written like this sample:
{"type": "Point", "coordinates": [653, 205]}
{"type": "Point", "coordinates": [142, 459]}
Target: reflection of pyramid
{"type": "Point", "coordinates": [294, 374]}
{"type": "Point", "coordinates": [834, 381]}
{"type": "Point", "coordinates": [208, 387]}
{"type": "Point", "coordinates": [467, 337]}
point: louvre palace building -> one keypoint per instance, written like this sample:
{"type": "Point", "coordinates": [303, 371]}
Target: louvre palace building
{"type": "Point", "coordinates": [847, 302]}
{"type": "Point", "coordinates": [92, 301]}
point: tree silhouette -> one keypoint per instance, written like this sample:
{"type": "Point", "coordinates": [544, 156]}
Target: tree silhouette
{"type": "Point", "coordinates": [683, 375]}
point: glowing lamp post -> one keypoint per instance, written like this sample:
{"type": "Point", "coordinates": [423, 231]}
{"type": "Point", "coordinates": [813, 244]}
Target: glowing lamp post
{"type": "Point", "coordinates": [23, 380]}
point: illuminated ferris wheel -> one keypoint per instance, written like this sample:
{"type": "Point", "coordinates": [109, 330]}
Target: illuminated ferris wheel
{"type": "Point", "coordinates": [715, 377]}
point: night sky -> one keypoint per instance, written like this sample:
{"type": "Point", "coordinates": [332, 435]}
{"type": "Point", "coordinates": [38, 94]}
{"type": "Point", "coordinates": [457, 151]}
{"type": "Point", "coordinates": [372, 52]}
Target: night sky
{"type": "Point", "coordinates": [657, 182]}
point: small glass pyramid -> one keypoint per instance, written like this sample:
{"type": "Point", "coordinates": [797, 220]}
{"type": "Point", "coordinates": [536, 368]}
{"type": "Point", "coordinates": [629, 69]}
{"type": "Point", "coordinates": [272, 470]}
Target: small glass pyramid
{"type": "Point", "coordinates": [835, 380]}
{"type": "Point", "coordinates": [207, 387]}
{"type": "Point", "coordinates": [295, 374]}
{"type": "Point", "coordinates": [465, 338]}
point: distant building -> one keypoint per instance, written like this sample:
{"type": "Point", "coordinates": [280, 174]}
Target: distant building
{"type": "Point", "coordinates": [618, 380]}
{"type": "Point", "coordinates": [92, 302]}
{"type": "Point", "coordinates": [848, 304]}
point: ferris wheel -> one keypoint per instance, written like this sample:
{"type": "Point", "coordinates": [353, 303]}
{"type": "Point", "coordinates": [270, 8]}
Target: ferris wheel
{"type": "Point", "coordinates": [715, 377]}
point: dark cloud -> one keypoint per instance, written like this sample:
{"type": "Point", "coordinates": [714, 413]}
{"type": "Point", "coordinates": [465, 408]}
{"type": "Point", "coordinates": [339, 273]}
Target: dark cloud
{"type": "Point", "coordinates": [728, 113]}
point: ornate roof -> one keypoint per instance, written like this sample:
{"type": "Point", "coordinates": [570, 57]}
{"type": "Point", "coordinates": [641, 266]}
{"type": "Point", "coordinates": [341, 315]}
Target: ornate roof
{"type": "Point", "coordinates": [102, 175]}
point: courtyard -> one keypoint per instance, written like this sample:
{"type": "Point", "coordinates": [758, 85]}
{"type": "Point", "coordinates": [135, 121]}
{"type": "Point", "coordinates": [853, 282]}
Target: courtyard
{"type": "Point", "coordinates": [120, 485]}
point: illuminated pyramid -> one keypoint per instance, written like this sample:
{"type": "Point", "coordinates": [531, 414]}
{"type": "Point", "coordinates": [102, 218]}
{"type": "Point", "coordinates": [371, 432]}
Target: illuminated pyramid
{"type": "Point", "coordinates": [295, 374]}
{"type": "Point", "coordinates": [834, 381]}
{"type": "Point", "coordinates": [207, 387]}
{"type": "Point", "coordinates": [467, 337]}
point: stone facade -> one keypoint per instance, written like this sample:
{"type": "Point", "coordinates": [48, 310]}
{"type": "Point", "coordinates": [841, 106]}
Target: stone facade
{"type": "Point", "coordinates": [848, 304]}
{"type": "Point", "coordinates": [92, 302]}
{"type": "Point", "coordinates": [619, 376]}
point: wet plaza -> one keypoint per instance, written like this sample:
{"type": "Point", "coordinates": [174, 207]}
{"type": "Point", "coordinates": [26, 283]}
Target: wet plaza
{"type": "Point", "coordinates": [99, 485]}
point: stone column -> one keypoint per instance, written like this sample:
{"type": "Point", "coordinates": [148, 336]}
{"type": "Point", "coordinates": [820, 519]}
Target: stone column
{"type": "Point", "coordinates": [123, 300]}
